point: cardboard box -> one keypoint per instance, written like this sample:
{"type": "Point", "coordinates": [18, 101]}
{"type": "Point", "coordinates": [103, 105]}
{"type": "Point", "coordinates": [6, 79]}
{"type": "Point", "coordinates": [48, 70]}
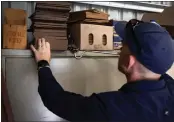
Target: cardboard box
{"type": "Point", "coordinates": [92, 37]}
{"type": "Point", "coordinates": [14, 29]}
{"type": "Point", "coordinates": [88, 16]}
{"type": "Point", "coordinates": [165, 19]}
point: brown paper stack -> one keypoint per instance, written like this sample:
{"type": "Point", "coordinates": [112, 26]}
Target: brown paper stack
{"type": "Point", "coordinates": [91, 16]}
{"type": "Point", "coordinates": [49, 22]}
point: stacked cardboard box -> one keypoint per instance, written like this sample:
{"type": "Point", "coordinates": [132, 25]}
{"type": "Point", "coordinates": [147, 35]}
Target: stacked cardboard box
{"type": "Point", "coordinates": [92, 37]}
{"type": "Point", "coordinates": [88, 30]}
{"type": "Point", "coordinates": [49, 22]}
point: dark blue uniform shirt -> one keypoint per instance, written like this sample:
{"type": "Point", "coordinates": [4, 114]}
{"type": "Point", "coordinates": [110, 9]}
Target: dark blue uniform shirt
{"type": "Point", "coordinates": [141, 101]}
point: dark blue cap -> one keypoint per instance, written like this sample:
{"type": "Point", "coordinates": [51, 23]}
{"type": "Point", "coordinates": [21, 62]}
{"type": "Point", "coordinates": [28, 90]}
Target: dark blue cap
{"type": "Point", "coordinates": [119, 25]}
{"type": "Point", "coordinates": [156, 45]}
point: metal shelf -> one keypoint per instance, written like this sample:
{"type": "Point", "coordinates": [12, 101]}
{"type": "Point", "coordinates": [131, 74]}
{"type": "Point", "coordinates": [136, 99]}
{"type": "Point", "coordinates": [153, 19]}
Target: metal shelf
{"type": "Point", "coordinates": [28, 53]}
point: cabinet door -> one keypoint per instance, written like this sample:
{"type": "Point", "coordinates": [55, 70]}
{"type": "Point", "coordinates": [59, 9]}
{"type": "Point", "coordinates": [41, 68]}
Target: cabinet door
{"type": "Point", "coordinates": [83, 76]}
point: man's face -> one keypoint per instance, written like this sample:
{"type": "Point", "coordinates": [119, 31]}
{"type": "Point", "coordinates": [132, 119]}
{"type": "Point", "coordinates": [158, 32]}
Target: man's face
{"type": "Point", "coordinates": [123, 62]}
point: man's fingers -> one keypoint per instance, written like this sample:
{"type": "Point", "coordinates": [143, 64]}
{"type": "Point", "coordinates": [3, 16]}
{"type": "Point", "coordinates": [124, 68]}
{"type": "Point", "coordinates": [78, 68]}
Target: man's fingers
{"type": "Point", "coordinates": [47, 45]}
{"type": "Point", "coordinates": [33, 48]}
{"type": "Point", "coordinates": [39, 43]}
{"type": "Point", "coordinates": [43, 42]}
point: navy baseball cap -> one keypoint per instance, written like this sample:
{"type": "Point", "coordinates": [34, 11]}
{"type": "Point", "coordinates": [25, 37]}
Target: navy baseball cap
{"type": "Point", "coordinates": [150, 43]}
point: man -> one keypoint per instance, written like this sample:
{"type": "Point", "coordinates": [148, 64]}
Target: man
{"type": "Point", "coordinates": [148, 95]}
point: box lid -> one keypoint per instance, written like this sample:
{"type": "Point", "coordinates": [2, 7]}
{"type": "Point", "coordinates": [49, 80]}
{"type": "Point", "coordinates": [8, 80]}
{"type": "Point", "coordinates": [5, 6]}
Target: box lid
{"type": "Point", "coordinates": [15, 16]}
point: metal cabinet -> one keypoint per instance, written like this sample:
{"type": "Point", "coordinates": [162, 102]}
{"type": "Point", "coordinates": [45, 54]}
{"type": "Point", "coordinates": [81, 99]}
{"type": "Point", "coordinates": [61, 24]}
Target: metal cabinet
{"type": "Point", "coordinates": [85, 76]}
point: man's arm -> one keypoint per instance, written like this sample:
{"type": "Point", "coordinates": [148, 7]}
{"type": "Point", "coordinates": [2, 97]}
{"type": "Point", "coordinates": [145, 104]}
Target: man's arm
{"type": "Point", "coordinates": [70, 106]}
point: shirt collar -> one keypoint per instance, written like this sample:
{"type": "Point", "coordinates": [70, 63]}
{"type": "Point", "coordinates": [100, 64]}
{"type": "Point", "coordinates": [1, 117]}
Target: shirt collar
{"type": "Point", "coordinates": [143, 85]}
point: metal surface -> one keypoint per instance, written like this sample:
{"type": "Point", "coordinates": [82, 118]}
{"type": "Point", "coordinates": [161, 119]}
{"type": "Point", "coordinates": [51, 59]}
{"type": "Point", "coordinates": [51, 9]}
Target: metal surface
{"type": "Point", "coordinates": [83, 76]}
{"type": "Point", "coordinates": [128, 14]}
{"type": "Point", "coordinates": [22, 84]}
{"type": "Point", "coordinates": [3, 60]}
{"type": "Point", "coordinates": [128, 5]}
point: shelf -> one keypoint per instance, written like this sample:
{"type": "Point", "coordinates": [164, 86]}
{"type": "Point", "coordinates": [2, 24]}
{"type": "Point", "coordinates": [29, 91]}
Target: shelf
{"type": "Point", "coordinates": [28, 53]}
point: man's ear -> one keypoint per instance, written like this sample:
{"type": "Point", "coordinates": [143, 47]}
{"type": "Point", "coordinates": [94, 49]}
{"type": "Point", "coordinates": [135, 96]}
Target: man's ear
{"type": "Point", "coordinates": [132, 61]}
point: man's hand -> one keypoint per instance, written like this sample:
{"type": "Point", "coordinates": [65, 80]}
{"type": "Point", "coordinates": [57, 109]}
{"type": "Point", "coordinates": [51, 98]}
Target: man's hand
{"type": "Point", "coordinates": [43, 52]}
